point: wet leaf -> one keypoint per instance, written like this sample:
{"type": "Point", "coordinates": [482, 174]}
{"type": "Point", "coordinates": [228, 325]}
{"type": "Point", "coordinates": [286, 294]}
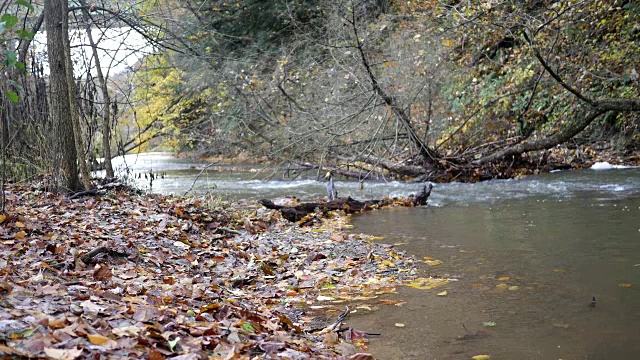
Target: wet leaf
{"type": "Point", "coordinates": [444, 293]}
{"type": "Point", "coordinates": [481, 357]}
{"type": "Point", "coordinates": [625, 285]}
{"type": "Point", "coordinates": [504, 278]}
{"type": "Point", "coordinates": [427, 283]}
{"type": "Point", "coordinates": [488, 324]}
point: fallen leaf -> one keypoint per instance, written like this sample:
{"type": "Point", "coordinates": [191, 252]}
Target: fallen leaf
{"type": "Point", "coordinates": [361, 356]}
{"type": "Point", "coordinates": [427, 283]}
{"type": "Point", "coordinates": [97, 339]}
{"type": "Point", "coordinates": [481, 357]}
{"type": "Point", "coordinates": [5, 288]}
{"type": "Point", "coordinates": [102, 273]}
{"type": "Point", "coordinates": [433, 262]}
{"type": "Point", "coordinates": [331, 338]}
{"type": "Point", "coordinates": [504, 278]}
{"type": "Point", "coordinates": [625, 285]}
{"type": "Point", "coordinates": [488, 324]}
{"type": "Point", "coordinates": [444, 293]}
{"type": "Point", "coordinates": [248, 327]}
{"type": "Point", "coordinates": [173, 343]}
{"type": "Point", "coordinates": [62, 354]}
{"type": "Point", "coordinates": [155, 355]}
{"type": "Point", "coordinates": [399, 325]}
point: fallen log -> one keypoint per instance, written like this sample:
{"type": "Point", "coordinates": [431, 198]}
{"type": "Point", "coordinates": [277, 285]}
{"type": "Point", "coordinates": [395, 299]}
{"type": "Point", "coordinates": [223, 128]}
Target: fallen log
{"type": "Point", "coordinates": [348, 204]}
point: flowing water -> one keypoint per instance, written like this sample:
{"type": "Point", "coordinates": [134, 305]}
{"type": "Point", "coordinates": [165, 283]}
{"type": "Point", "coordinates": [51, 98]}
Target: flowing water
{"type": "Point", "coordinates": [555, 241]}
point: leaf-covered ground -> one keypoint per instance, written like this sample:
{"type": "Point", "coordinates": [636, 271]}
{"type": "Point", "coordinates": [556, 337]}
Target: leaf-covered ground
{"type": "Point", "coordinates": [181, 278]}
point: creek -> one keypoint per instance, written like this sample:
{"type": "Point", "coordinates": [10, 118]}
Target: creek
{"type": "Point", "coordinates": [525, 257]}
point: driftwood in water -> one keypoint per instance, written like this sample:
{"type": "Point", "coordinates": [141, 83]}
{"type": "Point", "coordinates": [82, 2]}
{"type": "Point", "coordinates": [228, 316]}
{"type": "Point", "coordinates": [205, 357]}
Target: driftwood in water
{"type": "Point", "coordinates": [349, 205]}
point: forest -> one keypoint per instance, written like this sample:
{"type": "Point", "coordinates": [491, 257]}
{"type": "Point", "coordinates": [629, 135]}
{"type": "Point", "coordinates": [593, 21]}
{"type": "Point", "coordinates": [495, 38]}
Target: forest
{"type": "Point", "coordinates": [429, 90]}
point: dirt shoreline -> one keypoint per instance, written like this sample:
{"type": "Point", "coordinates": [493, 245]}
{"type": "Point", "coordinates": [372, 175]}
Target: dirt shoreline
{"type": "Point", "coordinates": [182, 278]}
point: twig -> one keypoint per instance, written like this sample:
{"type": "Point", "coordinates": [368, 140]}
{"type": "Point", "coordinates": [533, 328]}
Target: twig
{"type": "Point", "coordinates": [198, 177]}
{"type": "Point", "coordinates": [88, 257]}
{"type": "Point", "coordinates": [339, 320]}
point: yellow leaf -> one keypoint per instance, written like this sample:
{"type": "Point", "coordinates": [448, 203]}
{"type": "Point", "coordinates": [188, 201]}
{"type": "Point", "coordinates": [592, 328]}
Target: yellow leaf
{"type": "Point", "coordinates": [97, 339]}
{"type": "Point", "coordinates": [481, 357]}
{"type": "Point", "coordinates": [3, 217]}
{"type": "Point", "coordinates": [504, 278]}
{"type": "Point", "coordinates": [19, 224]}
{"type": "Point", "coordinates": [447, 43]}
{"type": "Point", "coordinates": [444, 293]}
{"type": "Point", "coordinates": [433, 262]}
{"type": "Point", "coordinates": [20, 235]}
{"type": "Point", "coordinates": [388, 263]}
{"type": "Point", "coordinates": [399, 325]}
{"type": "Point", "coordinates": [427, 283]}
{"type": "Point", "coordinates": [502, 286]}
{"type": "Point", "coordinates": [560, 270]}
{"type": "Point", "coordinates": [386, 63]}
{"type": "Point", "coordinates": [625, 285]}
{"type": "Point", "coordinates": [513, 288]}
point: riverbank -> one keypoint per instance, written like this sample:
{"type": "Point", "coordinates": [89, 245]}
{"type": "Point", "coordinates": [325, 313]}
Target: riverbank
{"type": "Point", "coordinates": [136, 276]}
{"type": "Point", "coordinates": [454, 168]}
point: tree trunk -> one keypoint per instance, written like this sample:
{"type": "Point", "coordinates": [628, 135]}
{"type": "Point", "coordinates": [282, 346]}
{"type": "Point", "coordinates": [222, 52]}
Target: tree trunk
{"type": "Point", "coordinates": [56, 17]}
{"type": "Point", "coordinates": [75, 109]}
{"type": "Point", "coordinates": [106, 110]}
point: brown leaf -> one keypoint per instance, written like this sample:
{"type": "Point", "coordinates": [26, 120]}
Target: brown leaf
{"type": "Point", "coordinates": [58, 323]}
{"type": "Point", "coordinates": [102, 273]}
{"type": "Point", "coordinates": [5, 288]}
{"type": "Point", "coordinates": [155, 355]}
{"type": "Point", "coordinates": [331, 338]}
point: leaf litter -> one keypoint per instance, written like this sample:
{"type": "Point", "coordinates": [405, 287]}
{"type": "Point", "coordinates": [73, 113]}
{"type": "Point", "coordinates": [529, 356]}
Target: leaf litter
{"type": "Point", "coordinates": [131, 276]}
